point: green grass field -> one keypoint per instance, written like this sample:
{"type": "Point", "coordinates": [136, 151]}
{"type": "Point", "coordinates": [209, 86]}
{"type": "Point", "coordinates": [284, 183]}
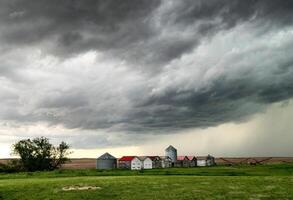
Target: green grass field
{"type": "Point", "coordinates": [241, 182]}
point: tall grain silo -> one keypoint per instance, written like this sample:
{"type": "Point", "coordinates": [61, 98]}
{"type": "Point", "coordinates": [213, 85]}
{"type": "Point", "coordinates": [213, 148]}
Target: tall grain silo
{"type": "Point", "coordinates": [106, 161]}
{"type": "Point", "coordinates": [172, 153]}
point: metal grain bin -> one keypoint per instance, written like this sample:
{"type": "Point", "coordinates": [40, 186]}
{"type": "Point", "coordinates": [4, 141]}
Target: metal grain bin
{"type": "Point", "coordinates": [172, 153]}
{"type": "Point", "coordinates": [106, 161]}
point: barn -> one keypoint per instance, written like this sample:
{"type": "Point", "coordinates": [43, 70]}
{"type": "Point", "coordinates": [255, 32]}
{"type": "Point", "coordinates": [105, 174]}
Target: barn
{"type": "Point", "coordinates": [130, 162]}
{"type": "Point", "coordinates": [106, 161]}
{"type": "Point", "coordinates": [125, 162]}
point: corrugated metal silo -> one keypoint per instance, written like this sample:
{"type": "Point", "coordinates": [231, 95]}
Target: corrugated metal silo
{"type": "Point", "coordinates": [106, 161]}
{"type": "Point", "coordinates": [172, 153]}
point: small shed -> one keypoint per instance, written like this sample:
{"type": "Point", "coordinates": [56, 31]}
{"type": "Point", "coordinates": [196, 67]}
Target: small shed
{"type": "Point", "coordinates": [106, 161]}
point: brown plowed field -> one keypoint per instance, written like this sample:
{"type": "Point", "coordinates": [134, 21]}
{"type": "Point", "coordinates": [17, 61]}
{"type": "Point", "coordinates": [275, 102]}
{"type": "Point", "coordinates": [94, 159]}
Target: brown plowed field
{"type": "Point", "coordinates": [80, 163]}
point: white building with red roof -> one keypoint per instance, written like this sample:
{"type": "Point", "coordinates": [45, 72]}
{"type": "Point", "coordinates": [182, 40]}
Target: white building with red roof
{"type": "Point", "coordinates": [130, 162]}
{"type": "Point", "coordinates": [170, 160]}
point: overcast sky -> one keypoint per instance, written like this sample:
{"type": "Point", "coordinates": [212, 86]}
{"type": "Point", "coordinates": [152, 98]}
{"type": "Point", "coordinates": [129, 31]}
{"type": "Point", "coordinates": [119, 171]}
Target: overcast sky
{"type": "Point", "coordinates": [131, 77]}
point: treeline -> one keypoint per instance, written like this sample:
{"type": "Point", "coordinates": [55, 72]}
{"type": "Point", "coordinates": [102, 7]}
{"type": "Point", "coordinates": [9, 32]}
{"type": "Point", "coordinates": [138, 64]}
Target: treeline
{"type": "Point", "coordinates": [37, 154]}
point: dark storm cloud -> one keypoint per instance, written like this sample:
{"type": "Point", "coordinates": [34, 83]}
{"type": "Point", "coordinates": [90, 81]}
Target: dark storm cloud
{"type": "Point", "coordinates": [143, 32]}
{"type": "Point", "coordinates": [224, 101]}
{"type": "Point", "coordinates": [76, 26]}
{"type": "Point", "coordinates": [230, 13]}
{"type": "Point", "coordinates": [167, 38]}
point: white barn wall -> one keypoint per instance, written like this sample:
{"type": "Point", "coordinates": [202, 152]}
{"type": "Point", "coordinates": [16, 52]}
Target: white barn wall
{"type": "Point", "coordinates": [201, 163]}
{"type": "Point", "coordinates": [147, 163]}
{"type": "Point", "coordinates": [136, 164]}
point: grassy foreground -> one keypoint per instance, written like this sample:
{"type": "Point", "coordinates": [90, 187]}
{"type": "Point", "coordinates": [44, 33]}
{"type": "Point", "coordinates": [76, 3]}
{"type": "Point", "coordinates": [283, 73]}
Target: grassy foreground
{"type": "Point", "coordinates": [244, 182]}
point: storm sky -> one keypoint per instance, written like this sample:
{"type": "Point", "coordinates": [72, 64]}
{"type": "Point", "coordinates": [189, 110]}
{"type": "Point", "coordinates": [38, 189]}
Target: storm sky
{"type": "Point", "coordinates": [210, 76]}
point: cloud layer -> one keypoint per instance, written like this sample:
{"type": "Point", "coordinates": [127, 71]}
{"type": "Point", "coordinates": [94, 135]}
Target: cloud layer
{"type": "Point", "coordinates": [142, 66]}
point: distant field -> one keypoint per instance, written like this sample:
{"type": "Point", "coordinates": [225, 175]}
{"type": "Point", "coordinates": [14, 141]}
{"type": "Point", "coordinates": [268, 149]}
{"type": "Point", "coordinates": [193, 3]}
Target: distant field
{"type": "Point", "coordinates": [90, 163]}
{"type": "Point", "coordinates": [274, 181]}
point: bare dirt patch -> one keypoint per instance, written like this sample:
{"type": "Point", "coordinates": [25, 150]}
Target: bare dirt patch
{"type": "Point", "coordinates": [79, 187]}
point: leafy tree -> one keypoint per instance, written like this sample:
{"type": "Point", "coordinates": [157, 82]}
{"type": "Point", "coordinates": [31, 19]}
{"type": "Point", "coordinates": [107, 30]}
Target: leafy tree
{"type": "Point", "coordinates": [39, 154]}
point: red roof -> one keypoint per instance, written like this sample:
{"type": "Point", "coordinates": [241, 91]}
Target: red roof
{"type": "Point", "coordinates": [182, 158]}
{"type": "Point", "coordinates": [190, 157]}
{"type": "Point", "coordinates": [127, 158]}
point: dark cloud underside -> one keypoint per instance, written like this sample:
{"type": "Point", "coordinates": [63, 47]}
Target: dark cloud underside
{"type": "Point", "coordinates": [130, 29]}
{"type": "Point", "coordinates": [165, 83]}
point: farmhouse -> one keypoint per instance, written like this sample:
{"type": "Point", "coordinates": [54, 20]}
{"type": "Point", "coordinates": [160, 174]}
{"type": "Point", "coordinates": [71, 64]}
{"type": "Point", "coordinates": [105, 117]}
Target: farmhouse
{"type": "Point", "coordinates": [106, 161]}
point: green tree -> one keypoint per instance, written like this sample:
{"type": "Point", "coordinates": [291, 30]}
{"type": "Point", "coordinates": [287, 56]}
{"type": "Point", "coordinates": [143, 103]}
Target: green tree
{"type": "Point", "coordinates": [39, 154]}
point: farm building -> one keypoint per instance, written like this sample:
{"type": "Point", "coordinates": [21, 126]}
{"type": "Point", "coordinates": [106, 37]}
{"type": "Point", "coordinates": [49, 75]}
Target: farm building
{"type": "Point", "coordinates": [211, 160]}
{"type": "Point", "coordinates": [192, 161]}
{"type": "Point", "coordinates": [156, 161]}
{"type": "Point", "coordinates": [130, 162]}
{"type": "Point", "coordinates": [125, 162]}
{"type": "Point", "coordinates": [166, 161]}
{"type": "Point", "coordinates": [182, 161]}
{"type": "Point", "coordinates": [172, 153]}
{"type": "Point", "coordinates": [169, 160]}
{"type": "Point", "coordinates": [106, 161]}
{"type": "Point", "coordinates": [205, 161]}
{"type": "Point", "coordinates": [147, 163]}
{"type": "Point", "coordinates": [136, 164]}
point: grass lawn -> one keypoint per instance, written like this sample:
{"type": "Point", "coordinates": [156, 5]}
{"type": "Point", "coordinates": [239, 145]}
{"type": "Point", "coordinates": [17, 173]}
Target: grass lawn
{"type": "Point", "coordinates": [243, 182]}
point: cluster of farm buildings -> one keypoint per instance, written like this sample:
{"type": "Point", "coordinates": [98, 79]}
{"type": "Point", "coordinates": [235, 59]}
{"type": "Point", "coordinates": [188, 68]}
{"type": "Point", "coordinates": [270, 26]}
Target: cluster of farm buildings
{"type": "Point", "coordinates": [107, 161]}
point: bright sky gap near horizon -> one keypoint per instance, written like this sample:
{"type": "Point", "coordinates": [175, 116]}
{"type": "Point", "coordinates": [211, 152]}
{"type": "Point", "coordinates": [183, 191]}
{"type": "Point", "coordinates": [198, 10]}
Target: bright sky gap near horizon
{"type": "Point", "coordinates": [131, 77]}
